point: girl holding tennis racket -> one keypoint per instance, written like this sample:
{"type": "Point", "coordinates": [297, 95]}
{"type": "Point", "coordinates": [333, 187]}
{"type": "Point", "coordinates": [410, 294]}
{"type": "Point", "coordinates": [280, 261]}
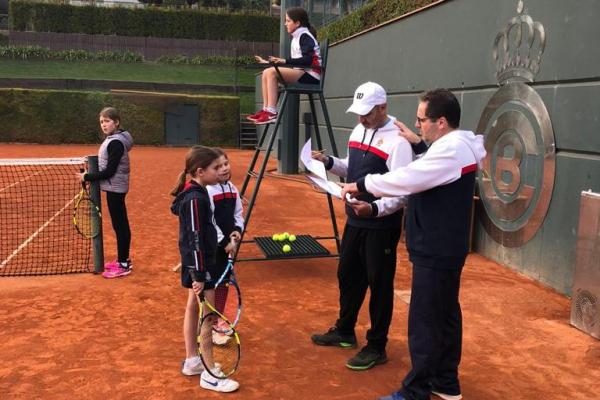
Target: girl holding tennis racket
{"type": "Point", "coordinates": [113, 174]}
{"type": "Point", "coordinates": [228, 211]}
{"type": "Point", "coordinates": [197, 248]}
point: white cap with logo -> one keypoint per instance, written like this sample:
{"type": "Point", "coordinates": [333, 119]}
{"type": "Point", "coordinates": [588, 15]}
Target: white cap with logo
{"type": "Point", "coordinates": [367, 96]}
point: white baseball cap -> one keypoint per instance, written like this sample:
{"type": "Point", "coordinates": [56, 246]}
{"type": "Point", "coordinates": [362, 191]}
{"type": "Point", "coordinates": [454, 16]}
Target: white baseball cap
{"type": "Point", "coordinates": [367, 96]}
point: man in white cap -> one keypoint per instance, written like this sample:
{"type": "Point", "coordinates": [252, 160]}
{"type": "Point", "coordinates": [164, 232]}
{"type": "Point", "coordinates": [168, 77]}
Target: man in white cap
{"type": "Point", "coordinates": [439, 186]}
{"type": "Point", "coordinates": [372, 231]}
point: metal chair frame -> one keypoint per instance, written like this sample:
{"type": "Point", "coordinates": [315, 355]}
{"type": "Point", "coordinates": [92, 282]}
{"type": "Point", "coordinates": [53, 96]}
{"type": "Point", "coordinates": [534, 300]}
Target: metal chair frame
{"type": "Point", "coordinates": [310, 91]}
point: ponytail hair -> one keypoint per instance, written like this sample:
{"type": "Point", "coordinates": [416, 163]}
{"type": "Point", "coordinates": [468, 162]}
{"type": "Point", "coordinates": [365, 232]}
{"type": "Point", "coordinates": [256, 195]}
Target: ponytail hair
{"type": "Point", "coordinates": [179, 185]}
{"type": "Point", "coordinates": [197, 157]}
{"type": "Point", "coordinates": [299, 14]}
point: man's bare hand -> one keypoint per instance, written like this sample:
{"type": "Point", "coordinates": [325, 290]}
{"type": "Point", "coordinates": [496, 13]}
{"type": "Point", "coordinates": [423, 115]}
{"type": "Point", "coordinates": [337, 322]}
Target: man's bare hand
{"type": "Point", "coordinates": [349, 189]}
{"type": "Point", "coordinates": [361, 208]}
{"type": "Point", "coordinates": [407, 133]}
{"type": "Point", "coordinates": [319, 156]}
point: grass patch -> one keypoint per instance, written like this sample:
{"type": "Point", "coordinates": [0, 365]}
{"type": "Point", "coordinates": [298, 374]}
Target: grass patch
{"type": "Point", "coordinates": [137, 72]}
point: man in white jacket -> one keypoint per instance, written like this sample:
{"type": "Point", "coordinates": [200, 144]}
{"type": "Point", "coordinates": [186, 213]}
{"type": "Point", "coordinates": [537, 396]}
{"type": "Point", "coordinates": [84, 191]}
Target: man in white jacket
{"type": "Point", "coordinates": [372, 231]}
{"type": "Point", "coordinates": [440, 188]}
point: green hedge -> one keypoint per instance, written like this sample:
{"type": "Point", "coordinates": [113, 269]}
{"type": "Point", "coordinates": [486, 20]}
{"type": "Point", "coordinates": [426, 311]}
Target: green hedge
{"type": "Point", "coordinates": [372, 14]}
{"type": "Point", "coordinates": [208, 60]}
{"type": "Point", "coordinates": [146, 22]}
{"type": "Point", "coordinates": [55, 116]}
{"type": "Point", "coordinates": [43, 53]}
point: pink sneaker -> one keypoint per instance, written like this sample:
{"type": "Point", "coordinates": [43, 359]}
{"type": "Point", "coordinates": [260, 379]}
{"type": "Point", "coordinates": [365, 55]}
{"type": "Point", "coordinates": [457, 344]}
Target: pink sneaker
{"type": "Point", "coordinates": [116, 273]}
{"type": "Point", "coordinates": [114, 265]}
{"type": "Point", "coordinates": [111, 266]}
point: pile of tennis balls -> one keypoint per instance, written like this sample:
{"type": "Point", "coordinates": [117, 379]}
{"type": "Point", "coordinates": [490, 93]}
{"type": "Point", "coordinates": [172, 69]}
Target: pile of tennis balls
{"type": "Point", "coordinates": [284, 237]}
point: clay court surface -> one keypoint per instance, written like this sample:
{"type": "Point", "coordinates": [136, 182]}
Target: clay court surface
{"type": "Point", "coordinates": [84, 337]}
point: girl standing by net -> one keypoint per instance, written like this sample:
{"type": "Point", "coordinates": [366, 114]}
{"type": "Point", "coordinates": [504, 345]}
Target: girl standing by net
{"type": "Point", "coordinates": [114, 169]}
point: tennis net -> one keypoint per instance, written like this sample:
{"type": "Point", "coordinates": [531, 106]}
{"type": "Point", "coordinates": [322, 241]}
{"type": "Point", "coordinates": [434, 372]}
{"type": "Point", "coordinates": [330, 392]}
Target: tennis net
{"type": "Point", "coordinates": [37, 235]}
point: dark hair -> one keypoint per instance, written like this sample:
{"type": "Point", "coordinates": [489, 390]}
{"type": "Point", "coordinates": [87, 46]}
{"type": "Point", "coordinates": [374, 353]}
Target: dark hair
{"type": "Point", "coordinates": [112, 114]}
{"type": "Point", "coordinates": [299, 14]}
{"type": "Point", "coordinates": [197, 157]}
{"type": "Point", "coordinates": [220, 152]}
{"type": "Point", "coordinates": [442, 103]}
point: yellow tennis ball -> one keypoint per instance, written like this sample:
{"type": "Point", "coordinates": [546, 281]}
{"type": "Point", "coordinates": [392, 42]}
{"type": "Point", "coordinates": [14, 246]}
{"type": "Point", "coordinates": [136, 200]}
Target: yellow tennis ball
{"type": "Point", "coordinates": [286, 248]}
{"type": "Point", "coordinates": [275, 237]}
{"type": "Point", "coordinates": [292, 238]}
{"type": "Point", "coordinates": [285, 235]}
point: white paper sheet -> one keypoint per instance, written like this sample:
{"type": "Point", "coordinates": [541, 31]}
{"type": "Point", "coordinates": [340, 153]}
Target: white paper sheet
{"type": "Point", "coordinates": [330, 187]}
{"type": "Point", "coordinates": [314, 166]}
{"type": "Point", "coordinates": [320, 175]}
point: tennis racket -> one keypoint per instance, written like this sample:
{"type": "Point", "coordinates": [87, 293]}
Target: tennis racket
{"type": "Point", "coordinates": [228, 297]}
{"type": "Point", "coordinates": [86, 214]}
{"type": "Point", "coordinates": [219, 360]}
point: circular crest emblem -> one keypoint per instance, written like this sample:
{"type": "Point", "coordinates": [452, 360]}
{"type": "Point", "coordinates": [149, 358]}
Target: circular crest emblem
{"type": "Point", "coordinates": [517, 177]}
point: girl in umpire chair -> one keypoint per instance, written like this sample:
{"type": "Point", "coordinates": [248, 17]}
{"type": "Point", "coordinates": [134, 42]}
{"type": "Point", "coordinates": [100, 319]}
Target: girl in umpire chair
{"type": "Point", "coordinates": [197, 247]}
{"type": "Point", "coordinates": [305, 61]}
{"type": "Point", "coordinates": [114, 169]}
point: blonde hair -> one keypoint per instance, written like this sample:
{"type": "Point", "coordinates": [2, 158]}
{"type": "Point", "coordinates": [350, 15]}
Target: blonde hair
{"type": "Point", "coordinates": [197, 157]}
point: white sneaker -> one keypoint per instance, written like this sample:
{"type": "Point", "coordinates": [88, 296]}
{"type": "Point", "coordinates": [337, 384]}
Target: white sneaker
{"type": "Point", "coordinates": [218, 385]}
{"type": "Point", "coordinates": [445, 396]}
{"type": "Point", "coordinates": [220, 339]}
{"type": "Point", "coordinates": [192, 366]}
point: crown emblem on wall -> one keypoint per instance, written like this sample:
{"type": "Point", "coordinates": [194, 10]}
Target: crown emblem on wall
{"type": "Point", "coordinates": [518, 48]}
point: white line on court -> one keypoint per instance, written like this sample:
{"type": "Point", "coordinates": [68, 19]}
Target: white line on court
{"type": "Point", "coordinates": [33, 236]}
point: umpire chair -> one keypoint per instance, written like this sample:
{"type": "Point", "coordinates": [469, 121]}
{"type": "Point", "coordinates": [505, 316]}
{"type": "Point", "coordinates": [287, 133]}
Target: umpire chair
{"type": "Point", "coordinates": [285, 89]}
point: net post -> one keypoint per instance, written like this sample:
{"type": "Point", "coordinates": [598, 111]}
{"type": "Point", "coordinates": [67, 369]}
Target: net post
{"type": "Point", "coordinates": [97, 242]}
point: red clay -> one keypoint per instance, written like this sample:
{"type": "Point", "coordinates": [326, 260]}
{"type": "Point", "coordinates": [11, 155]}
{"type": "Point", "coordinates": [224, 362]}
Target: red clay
{"type": "Point", "coordinates": [85, 337]}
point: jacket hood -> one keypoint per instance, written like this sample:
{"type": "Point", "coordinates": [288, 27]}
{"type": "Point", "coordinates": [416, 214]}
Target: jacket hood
{"type": "Point", "coordinates": [475, 143]}
{"type": "Point", "coordinates": [189, 187]}
{"type": "Point", "coordinates": [126, 139]}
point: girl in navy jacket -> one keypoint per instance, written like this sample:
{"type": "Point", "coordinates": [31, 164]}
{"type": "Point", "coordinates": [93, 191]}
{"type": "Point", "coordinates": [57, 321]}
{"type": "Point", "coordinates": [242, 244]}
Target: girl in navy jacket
{"type": "Point", "coordinates": [197, 247]}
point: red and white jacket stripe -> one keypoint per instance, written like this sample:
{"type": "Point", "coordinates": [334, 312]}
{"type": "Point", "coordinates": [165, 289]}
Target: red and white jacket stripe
{"type": "Point", "coordinates": [388, 146]}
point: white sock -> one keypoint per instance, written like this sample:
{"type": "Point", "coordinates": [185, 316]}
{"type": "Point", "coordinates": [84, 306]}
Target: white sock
{"type": "Point", "coordinates": [272, 110]}
{"type": "Point", "coordinates": [192, 360]}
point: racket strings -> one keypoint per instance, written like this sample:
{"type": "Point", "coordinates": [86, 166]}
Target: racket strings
{"type": "Point", "coordinates": [220, 352]}
{"type": "Point", "coordinates": [83, 217]}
